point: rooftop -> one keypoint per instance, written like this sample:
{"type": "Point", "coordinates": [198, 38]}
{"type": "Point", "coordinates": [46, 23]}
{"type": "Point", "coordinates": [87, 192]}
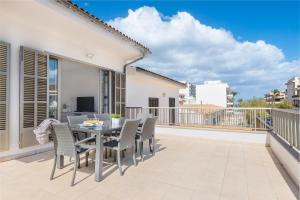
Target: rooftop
{"type": "Point", "coordinates": [69, 4]}
{"type": "Point", "coordinates": [140, 69]}
{"type": "Point", "coordinates": [184, 168]}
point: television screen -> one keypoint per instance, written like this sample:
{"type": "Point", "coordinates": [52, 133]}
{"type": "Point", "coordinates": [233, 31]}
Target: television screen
{"type": "Point", "coordinates": [85, 104]}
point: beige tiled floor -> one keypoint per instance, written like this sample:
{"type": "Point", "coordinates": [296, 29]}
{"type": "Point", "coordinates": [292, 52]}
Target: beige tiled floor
{"type": "Point", "coordinates": [183, 168]}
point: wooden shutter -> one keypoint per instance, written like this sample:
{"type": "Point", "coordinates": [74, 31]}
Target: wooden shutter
{"type": "Point", "coordinates": [33, 94]}
{"type": "Point", "coordinates": [4, 83]}
{"type": "Point", "coordinates": [119, 87]}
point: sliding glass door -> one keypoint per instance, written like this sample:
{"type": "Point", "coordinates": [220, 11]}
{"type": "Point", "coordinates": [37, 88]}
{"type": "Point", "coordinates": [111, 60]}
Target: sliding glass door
{"type": "Point", "coordinates": [104, 91]}
{"type": "Point", "coordinates": [53, 88]}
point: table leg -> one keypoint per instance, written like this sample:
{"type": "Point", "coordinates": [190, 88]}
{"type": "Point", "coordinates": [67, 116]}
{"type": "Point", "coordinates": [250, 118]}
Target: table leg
{"type": "Point", "coordinates": [153, 143]}
{"type": "Point", "coordinates": [99, 158]}
{"type": "Point", "coordinates": [60, 162]}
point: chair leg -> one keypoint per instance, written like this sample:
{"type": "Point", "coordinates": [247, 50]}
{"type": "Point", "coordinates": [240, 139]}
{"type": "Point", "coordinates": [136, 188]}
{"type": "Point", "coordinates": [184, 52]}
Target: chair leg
{"type": "Point", "coordinates": [78, 161]}
{"type": "Point", "coordinates": [109, 153]}
{"type": "Point", "coordinates": [115, 156]}
{"type": "Point", "coordinates": [150, 143]}
{"type": "Point", "coordinates": [133, 155]}
{"type": "Point", "coordinates": [53, 169]}
{"type": "Point", "coordinates": [119, 161]}
{"type": "Point", "coordinates": [105, 153]}
{"type": "Point", "coordinates": [87, 159]}
{"type": "Point", "coordinates": [135, 146]}
{"type": "Point", "coordinates": [75, 168]}
{"type": "Point", "coordinates": [141, 150]}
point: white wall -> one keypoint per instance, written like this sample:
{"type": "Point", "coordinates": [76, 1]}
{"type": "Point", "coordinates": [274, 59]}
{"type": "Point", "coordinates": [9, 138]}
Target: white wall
{"type": "Point", "coordinates": [48, 26]}
{"type": "Point", "coordinates": [212, 93]}
{"type": "Point", "coordinates": [141, 86]}
{"type": "Point", "coordinates": [78, 80]}
{"type": "Point", "coordinates": [290, 164]}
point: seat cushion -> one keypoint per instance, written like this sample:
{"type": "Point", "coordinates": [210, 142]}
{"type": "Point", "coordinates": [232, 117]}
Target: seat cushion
{"type": "Point", "coordinates": [80, 149]}
{"type": "Point", "coordinates": [111, 144]}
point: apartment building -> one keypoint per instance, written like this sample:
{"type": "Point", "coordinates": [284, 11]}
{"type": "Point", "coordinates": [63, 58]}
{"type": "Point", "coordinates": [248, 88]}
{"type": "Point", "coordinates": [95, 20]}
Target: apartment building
{"type": "Point", "coordinates": [214, 92]}
{"type": "Point", "coordinates": [188, 94]}
{"type": "Point", "coordinates": [292, 89]}
{"type": "Point", "coordinates": [274, 97]}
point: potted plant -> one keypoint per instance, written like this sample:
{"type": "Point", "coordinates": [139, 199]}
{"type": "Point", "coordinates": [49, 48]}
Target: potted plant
{"type": "Point", "coordinates": [116, 119]}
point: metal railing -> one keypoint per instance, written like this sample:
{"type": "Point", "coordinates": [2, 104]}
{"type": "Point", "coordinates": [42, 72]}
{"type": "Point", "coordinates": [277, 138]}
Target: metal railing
{"type": "Point", "coordinates": [286, 125]}
{"type": "Point", "coordinates": [234, 118]}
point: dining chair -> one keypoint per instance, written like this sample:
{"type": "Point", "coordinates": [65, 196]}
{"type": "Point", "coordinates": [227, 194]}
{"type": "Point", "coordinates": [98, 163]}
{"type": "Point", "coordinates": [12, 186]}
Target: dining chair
{"type": "Point", "coordinates": [65, 145]}
{"type": "Point", "coordinates": [143, 116]}
{"type": "Point", "coordinates": [146, 133]}
{"type": "Point", "coordinates": [125, 140]}
{"type": "Point", "coordinates": [77, 119]}
{"type": "Point", "coordinates": [103, 116]}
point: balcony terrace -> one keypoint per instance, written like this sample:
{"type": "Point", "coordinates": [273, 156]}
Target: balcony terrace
{"type": "Point", "coordinates": [183, 168]}
{"type": "Point", "coordinates": [189, 164]}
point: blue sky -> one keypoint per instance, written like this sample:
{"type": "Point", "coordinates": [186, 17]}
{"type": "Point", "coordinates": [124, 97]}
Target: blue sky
{"type": "Point", "coordinates": [276, 23]}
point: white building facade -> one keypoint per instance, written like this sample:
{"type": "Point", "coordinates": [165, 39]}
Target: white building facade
{"type": "Point", "coordinates": [292, 90]}
{"type": "Point", "coordinates": [214, 92]}
{"type": "Point", "coordinates": [148, 89]}
{"type": "Point", "coordinates": [188, 94]}
{"type": "Point", "coordinates": [53, 52]}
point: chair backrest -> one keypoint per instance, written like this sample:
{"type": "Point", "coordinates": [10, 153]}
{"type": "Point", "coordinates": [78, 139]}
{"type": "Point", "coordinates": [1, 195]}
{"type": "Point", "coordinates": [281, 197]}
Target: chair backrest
{"type": "Point", "coordinates": [64, 142]}
{"type": "Point", "coordinates": [148, 128]}
{"type": "Point", "coordinates": [128, 132]}
{"type": "Point", "coordinates": [77, 119]}
{"type": "Point", "coordinates": [142, 116]}
{"type": "Point", "coordinates": [103, 117]}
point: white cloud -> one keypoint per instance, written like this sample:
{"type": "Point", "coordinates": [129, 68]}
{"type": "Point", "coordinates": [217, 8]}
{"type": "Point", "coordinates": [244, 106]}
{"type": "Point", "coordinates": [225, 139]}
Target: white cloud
{"type": "Point", "coordinates": [186, 49]}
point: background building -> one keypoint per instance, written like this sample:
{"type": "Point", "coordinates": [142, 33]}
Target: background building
{"type": "Point", "coordinates": [149, 89]}
{"type": "Point", "coordinates": [188, 94]}
{"type": "Point", "coordinates": [214, 92]}
{"type": "Point", "coordinates": [292, 90]}
{"type": "Point", "coordinates": [275, 97]}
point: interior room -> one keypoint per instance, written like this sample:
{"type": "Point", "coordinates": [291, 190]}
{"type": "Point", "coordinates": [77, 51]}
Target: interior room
{"type": "Point", "coordinates": [74, 88]}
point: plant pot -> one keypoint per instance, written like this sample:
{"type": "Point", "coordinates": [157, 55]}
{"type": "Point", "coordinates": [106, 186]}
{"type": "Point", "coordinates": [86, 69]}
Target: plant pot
{"type": "Point", "coordinates": [116, 121]}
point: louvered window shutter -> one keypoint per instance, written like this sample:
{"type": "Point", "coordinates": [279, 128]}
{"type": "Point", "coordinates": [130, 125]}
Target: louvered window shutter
{"type": "Point", "coordinates": [119, 93]}
{"type": "Point", "coordinates": [34, 93]}
{"type": "Point", "coordinates": [4, 82]}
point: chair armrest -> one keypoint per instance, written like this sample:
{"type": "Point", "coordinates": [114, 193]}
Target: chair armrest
{"type": "Point", "coordinates": [85, 140]}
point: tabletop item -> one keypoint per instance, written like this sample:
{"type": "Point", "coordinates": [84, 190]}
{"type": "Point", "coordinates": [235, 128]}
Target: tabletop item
{"type": "Point", "coordinates": [93, 122]}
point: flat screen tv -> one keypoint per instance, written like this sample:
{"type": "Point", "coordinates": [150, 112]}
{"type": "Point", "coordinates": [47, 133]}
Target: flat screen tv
{"type": "Point", "coordinates": [85, 104]}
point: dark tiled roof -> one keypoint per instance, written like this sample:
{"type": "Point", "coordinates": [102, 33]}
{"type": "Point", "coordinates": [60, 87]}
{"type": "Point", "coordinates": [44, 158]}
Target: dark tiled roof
{"type": "Point", "coordinates": [160, 76]}
{"type": "Point", "coordinates": [69, 4]}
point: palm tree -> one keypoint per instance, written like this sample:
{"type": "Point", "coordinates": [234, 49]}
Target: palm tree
{"type": "Point", "coordinates": [276, 92]}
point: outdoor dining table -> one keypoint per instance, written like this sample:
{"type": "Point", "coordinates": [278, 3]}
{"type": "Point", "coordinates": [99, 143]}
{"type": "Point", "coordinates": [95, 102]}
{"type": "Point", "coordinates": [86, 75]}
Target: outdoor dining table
{"type": "Point", "coordinates": [98, 130]}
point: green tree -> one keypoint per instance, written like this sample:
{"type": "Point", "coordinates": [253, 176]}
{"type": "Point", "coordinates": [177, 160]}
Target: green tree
{"type": "Point", "coordinates": [276, 92]}
{"type": "Point", "coordinates": [254, 102]}
{"type": "Point", "coordinates": [284, 104]}
{"type": "Point", "coordinates": [261, 103]}
{"type": "Point", "coordinates": [239, 101]}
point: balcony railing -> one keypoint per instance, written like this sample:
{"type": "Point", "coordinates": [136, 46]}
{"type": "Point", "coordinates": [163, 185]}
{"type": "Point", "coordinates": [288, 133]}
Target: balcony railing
{"type": "Point", "coordinates": [233, 118]}
{"type": "Point", "coordinates": [286, 125]}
